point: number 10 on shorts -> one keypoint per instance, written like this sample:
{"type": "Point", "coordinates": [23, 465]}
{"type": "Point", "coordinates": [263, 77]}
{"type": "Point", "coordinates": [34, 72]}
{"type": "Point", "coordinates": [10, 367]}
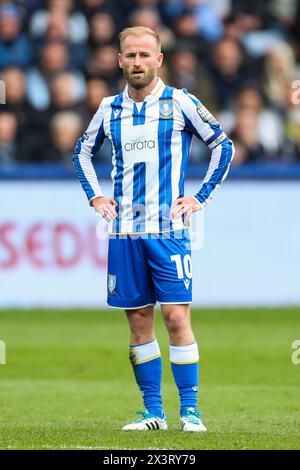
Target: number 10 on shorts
{"type": "Point", "coordinates": [184, 269]}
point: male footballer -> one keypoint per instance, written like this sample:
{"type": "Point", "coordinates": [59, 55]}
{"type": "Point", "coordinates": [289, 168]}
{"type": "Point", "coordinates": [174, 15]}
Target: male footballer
{"type": "Point", "coordinates": [151, 126]}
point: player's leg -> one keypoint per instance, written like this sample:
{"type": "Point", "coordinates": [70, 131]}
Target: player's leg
{"type": "Point", "coordinates": [177, 319]}
{"type": "Point", "coordinates": [130, 287]}
{"type": "Point", "coordinates": [170, 262]}
{"type": "Point", "coordinates": [141, 324]}
{"type": "Point", "coordinates": [184, 357]}
{"type": "Point", "coordinates": [145, 357]}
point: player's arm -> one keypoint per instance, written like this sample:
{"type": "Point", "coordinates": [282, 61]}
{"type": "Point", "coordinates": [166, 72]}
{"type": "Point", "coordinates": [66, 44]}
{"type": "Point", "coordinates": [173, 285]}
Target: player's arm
{"type": "Point", "coordinates": [87, 146]}
{"type": "Point", "coordinates": [199, 121]}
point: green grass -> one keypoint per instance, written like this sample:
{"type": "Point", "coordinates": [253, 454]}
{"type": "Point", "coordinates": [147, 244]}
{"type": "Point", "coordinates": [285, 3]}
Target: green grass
{"type": "Point", "coordinates": [68, 383]}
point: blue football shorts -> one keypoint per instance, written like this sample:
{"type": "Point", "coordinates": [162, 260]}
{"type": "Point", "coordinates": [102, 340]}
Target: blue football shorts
{"type": "Point", "coordinates": [143, 270]}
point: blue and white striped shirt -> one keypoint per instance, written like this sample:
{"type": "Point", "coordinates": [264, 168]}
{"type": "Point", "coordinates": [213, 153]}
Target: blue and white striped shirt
{"type": "Point", "coordinates": [151, 143]}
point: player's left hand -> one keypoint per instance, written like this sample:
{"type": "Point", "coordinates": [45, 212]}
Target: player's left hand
{"type": "Point", "coordinates": [185, 206]}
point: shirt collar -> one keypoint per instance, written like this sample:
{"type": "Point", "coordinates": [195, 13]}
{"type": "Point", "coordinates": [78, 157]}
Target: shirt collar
{"type": "Point", "coordinates": [155, 93]}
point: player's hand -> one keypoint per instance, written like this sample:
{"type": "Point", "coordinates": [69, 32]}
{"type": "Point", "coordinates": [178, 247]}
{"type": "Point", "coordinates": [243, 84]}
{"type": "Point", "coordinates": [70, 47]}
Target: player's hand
{"type": "Point", "coordinates": [105, 207]}
{"type": "Point", "coordinates": [184, 206]}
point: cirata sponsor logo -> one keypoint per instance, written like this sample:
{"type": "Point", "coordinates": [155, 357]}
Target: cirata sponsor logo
{"type": "Point", "coordinates": [139, 145]}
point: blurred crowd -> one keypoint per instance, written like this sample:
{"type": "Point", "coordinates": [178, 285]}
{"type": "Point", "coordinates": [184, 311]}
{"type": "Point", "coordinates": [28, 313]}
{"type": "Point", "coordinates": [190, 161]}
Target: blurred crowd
{"type": "Point", "coordinates": [58, 59]}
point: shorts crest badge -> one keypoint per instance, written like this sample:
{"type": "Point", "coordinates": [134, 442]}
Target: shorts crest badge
{"type": "Point", "coordinates": [111, 283]}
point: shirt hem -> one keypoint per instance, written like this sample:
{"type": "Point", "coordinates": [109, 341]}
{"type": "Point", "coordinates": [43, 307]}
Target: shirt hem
{"type": "Point", "coordinates": [145, 233]}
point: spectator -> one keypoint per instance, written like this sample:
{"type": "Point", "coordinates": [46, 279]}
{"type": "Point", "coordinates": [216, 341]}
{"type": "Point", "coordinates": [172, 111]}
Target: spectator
{"type": "Point", "coordinates": [187, 72]}
{"type": "Point", "coordinates": [74, 22]}
{"type": "Point", "coordinates": [200, 15]}
{"type": "Point", "coordinates": [64, 95]}
{"type": "Point", "coordinates": [279, 73]}
{"type": "Point", "coordinates": [222, 8]}
{"type": "Point", "coordinates": [228, 70]}
{"type": "Point", "coordinates": [154, 4]}
{"type": "Point", "coordinates": [292, 148]}
{"type": "Point", "coordinates": [248, 148]}
{"type": "Point", "coordinates": [185, 28]}
{"type": "Point", "coordinates": [251, 99]}
{"type": "Point", "coordinates": [255, 12]}
{"type": "Point", "coordinates": [150, 18]}
{"type": "Point", "coordinates": [102, 30]}
{"type": "Point", "coordinates": [15, 48]}
{"type": "Point", "coordinates": [104, 64]}
{"type": "Point", "coordinates": [33, 5]}
{"type": "Point", "coordinates": [65, 129]}
{"type": "Point", "coordinates": [8, 139]}
{"type": "Point", "coordinates": [97, 89]}
{"type": "Point", "coordinates": [29, 121]}
{"type": "Point", "coordinates": [15, 88]}
{"type": "Point", "coordinates": [54, 59]}
{"type": "Point", "coordinates": [57, 26]}
{"type": "Point", "coordinates": [90, 7]}
{"type": "Point", "coordinates": [295, 32]}
{"type": "Point", "coordinates": [236, 26]}
{"type": "Point", "coordinates": [222, 51]}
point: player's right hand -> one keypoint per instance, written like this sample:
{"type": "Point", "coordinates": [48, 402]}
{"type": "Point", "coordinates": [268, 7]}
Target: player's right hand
{"type": "Point", "coordinates": [105, 207]}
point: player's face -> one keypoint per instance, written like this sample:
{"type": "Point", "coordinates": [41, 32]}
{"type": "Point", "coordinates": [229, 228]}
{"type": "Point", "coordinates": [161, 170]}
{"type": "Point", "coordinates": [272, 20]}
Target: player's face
{"type": "Point", "coordinates": [140, 59]}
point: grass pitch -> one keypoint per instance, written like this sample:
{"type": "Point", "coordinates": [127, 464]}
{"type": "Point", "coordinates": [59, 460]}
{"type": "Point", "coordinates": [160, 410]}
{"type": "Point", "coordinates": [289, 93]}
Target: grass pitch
{"type": "Point", "coordinates": [68, 383]}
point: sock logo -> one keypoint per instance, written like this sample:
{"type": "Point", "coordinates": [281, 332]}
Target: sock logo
{"type": "Point", "coordinates": [195, 389]}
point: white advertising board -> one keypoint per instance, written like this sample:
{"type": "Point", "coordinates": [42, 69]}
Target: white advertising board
{"type": "Point", "coordinates": [50, 255]}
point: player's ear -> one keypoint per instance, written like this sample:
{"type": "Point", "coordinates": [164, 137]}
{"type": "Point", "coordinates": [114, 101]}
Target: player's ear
{"type": "Point", "coordinates": [160, 59]}
{"type": "Point", "coordinates": [120, 60]}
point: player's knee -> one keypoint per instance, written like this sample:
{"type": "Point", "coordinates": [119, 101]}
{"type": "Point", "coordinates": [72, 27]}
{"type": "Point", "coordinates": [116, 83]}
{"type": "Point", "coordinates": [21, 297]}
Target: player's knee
{"type": "Point", "coordinates": [175, 320]}
{"type": "Point", "coordinates": [139, 316]}
{"type": "Point", "coordinates": [140, 322]}
{"type": "Point", "coordinates": [144, 312]}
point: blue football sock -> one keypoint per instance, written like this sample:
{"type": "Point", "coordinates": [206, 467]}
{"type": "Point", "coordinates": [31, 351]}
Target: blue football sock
{"type": "Point", "coordinates": [147, 366]}
{"type": "Point", "coordinates": [185, 368]}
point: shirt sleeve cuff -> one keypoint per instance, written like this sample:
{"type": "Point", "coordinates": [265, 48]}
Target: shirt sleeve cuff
{"type": "Point", "coordinates": [202, 205]}
{"type": "Point", "coordinates": [95, 197]}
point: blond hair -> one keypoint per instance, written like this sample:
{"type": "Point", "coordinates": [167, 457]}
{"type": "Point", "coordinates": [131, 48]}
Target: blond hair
{"type": "Point", "coordinates": [138, 31]}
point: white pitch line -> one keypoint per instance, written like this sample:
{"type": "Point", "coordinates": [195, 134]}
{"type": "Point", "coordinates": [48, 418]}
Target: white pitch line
{"type": "Point", "coordinates": [65, 447]}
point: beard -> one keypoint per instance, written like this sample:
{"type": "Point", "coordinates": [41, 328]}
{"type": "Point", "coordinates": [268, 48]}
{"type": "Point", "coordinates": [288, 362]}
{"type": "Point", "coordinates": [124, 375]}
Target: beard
{"type": "Point", "coordinates": [139, 82]}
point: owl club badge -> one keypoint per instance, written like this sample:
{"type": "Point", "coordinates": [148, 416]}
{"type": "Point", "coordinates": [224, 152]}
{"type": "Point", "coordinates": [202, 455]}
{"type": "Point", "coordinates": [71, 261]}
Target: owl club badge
{"type": "Point", "coordinates": [166, 109]}
{"type": "Point", "coordinates": [111, 284]}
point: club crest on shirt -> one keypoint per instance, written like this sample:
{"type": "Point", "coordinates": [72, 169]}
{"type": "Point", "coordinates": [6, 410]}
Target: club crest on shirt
{"type": "Point", "coordinates": [166, 109]}
{"type": "Point", "coordinates": [111, 283]}
{"type": "Point", "coordinates": [205, 115]}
